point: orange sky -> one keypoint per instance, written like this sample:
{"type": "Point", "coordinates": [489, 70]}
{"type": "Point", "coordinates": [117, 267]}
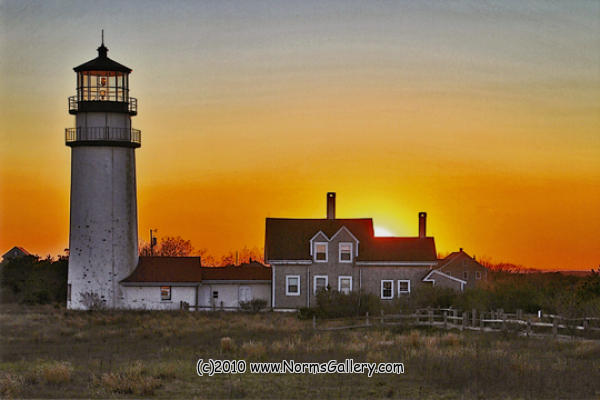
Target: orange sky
{"type": "Point", "coordinates": [488, 119]}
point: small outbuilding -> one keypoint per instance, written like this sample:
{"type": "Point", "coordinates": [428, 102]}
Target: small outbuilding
{"type": "Point", "coordinates": [164, 283]}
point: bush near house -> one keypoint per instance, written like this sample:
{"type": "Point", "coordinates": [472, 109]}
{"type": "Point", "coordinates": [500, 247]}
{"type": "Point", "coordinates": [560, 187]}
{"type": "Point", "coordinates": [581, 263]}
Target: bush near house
{"type": "Point", "coordinates": [31, 280]}
{"type": "Point", "coordinates": [254, 305]}
{"type": "Point", "coordinates": [566, 295]}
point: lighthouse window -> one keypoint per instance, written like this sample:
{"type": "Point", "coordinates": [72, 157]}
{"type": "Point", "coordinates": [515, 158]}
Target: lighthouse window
{"type": "Point", "coordinates": [165, 293]}
{"type": "Point", "coordinates": [102, 86]}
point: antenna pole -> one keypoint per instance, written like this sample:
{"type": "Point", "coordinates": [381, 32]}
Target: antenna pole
{"type": "Point", "coordinates": [102, 37]}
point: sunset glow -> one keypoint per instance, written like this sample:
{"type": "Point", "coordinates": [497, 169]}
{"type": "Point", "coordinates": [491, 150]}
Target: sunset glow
{"type": "Point", "coordinates": [381, 231]}
{"type": "Point", "coordinates": [486, 117]}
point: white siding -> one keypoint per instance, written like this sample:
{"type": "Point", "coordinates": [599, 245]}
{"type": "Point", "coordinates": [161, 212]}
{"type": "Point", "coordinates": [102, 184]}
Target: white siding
{"type": "Point", "coordinates": [148, 297]}
{"type": "Point", "coordinates": [229, 293]}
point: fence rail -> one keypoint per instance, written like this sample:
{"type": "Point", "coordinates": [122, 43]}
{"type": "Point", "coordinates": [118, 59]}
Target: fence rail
{"type": "Point", "coordinates": [489, 321]}
{"type": "Point", "coordinates": [216, 307]}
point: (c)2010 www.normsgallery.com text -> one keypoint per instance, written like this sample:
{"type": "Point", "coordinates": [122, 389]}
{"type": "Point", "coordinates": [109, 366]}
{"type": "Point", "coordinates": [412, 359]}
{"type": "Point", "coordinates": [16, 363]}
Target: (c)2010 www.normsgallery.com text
{"type": "Point", "coordinates": [213, 367]}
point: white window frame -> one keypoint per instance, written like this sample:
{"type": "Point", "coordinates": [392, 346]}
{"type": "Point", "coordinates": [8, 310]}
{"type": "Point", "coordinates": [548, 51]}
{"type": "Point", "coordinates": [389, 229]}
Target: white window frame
{"type": "Point", "coordinates": [477, 275]}
{"type": "Point", "coordinates": [326, 252]}
{"type": "Point", "coordinates": [340, 252]}
{"type": "Point", "coordinates": [287, 285]}
{"type": "Point", "coordinates": [315, 282]}
{"type": "Point", "coordinates": [340, 282]}
{"type": "Point", "coordinates": [391, 291]}
{"type": "Point", "coordinates": [403, 292]}
{"type": "Point", "coordinates": [170, 293]}
{"type": "Point", "coordinates": [245, 288]}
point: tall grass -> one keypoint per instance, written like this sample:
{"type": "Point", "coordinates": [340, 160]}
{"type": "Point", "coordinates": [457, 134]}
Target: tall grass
{"type": "Point", "coordinates": [153, 354]}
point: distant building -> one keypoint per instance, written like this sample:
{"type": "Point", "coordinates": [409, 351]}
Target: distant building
{"type": "Point", "coordinates": [15, 252]}
{"type": "Point", "coordinates": [162, 283]}
{"type": "Point", "coordinates": [460, 267]}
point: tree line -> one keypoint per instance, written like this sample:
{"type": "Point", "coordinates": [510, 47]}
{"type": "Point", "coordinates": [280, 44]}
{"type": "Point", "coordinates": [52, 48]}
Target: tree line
{"type": "Point", "coordinates": [176, 246]}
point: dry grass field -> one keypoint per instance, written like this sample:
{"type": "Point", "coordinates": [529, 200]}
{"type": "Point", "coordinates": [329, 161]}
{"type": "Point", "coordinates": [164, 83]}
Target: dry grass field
{"type": "Point", "coordinates": [48, 352]}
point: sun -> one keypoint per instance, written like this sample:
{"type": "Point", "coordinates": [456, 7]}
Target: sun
{"type": "Point", "coordinates": [381, 231]}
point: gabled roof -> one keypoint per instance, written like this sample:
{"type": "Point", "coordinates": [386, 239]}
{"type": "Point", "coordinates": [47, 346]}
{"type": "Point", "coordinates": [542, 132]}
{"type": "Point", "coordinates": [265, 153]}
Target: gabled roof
{"type": "Point", "coordinates": [166, 269]}
{"type": "Point", "coordinates": [289, 239]}
{"type": "Point", "coordinates": [253, 271]}
{"type": "Point", "coordinates": [428, 277]}
{"type": "Point", "coordinates": [20, 249]}
{"type": "Point", "coordinates": [102, 63]}
{"type": "Point", "coordinates": [454, 256]}
{"type": "Point", "coordinates": [448, 259]}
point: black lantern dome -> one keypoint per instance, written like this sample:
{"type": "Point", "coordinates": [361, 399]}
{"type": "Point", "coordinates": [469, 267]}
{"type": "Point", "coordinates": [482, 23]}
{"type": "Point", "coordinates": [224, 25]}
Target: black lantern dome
{"type": "Point", "coordinates": [102, 85]}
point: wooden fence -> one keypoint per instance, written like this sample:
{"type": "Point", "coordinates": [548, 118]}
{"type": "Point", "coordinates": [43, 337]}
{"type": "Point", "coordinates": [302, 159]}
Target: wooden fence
{"type": "Point", "coordinates": [489, 321]}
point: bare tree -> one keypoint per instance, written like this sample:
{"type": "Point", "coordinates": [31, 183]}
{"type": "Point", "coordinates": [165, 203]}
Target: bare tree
{"type": "Point", "coordinates": [144, 249]}
{"type": "Point", "coordinates": [175, 246]}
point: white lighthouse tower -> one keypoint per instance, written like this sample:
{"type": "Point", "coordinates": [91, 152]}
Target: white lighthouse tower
{"type": "Point", "coordinates": [103, 239]}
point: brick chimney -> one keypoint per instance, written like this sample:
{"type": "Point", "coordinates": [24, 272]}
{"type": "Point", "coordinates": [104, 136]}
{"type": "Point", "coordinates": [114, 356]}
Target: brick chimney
{"type": "Point", "coordinates": [422, 224]}
{"type": "Point", "coordinates": [331, 205]}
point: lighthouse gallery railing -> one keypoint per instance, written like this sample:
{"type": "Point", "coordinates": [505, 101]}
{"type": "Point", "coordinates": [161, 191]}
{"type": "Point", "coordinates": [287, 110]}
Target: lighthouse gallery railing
{"type": "Point", "coordinates": [132, 103]}
{"type": "Point", "coordinates": [103, 133]}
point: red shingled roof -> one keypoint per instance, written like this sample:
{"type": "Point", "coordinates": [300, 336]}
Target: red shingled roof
{"type": "Point", "coordinates": [166, 269]}
{"type": "Point", "coordinates": [398, 249]}
{"type": "Point", "coordinates": [245, 272]}
{"type": "Point", "coordinates": [188, 269]}
{"type": "Point", "coordinates": [289, 239]}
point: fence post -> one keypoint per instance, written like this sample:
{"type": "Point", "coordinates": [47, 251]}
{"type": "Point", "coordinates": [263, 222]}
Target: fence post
{"type": "Point", "coordinates": [430, 312]}
{"type": "Point", "coordinates": [445, 319]}
{"type": "Point", "coordinates": [367, 319]}
{"type": "Point", "coordinates": [586, 325]}
{"type": "Point", "coordinates": [474, 317]}
{"type": "Point", "coordinates": [528, 327]}
{"type": "Point", "coordinates": [504, 327]}
{"type": "Point", "coordinates": [519, 314]}
{"type": "Point", "coordinates": [481, 317]}
{"type": "Point", "coordinates": [314, 322]}
{"type": "Point", "coordinates": [554, 326]}
{"type": "Point", "coordinates": [465, 320]}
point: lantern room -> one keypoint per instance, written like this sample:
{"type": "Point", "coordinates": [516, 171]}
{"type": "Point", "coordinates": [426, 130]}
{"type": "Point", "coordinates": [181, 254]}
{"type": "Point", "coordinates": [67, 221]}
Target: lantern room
{"type": "Point", "coordinates": [103, 86]}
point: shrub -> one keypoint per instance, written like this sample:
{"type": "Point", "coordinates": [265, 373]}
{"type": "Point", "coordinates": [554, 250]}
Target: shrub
{"type": "Point", "coordinates": [254, 349]}
{"type": "Point", "coordinates": [92, 301]}
{"type": "Point", "coordinates": [10, 385]}
{"type": "Point", "coordinates": [30, 280]}
{"type": "Point", "coordinates": [306, 312]}
{"type": "Point", "coordinates": [227, 344]}
{"type": "Point", "coordinates": [254, 305]}
{"type": "Point", "coordinates": [56, 372]}
{"type": "Point", "coordinates": [333, 304]}
{"type": "Point", "coordinates": [132, 380]}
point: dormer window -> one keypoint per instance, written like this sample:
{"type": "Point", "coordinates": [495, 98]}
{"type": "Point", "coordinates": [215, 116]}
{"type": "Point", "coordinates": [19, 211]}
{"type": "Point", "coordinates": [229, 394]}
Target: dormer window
{"type": "Point", "coordinates": [320, 252]}
{"type": "Point", "coordinates": [345, 252]}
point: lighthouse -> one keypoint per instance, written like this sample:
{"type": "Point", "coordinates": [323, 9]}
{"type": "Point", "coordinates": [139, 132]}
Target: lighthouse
{"type": "Point", "coordinates": [103, 236]}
